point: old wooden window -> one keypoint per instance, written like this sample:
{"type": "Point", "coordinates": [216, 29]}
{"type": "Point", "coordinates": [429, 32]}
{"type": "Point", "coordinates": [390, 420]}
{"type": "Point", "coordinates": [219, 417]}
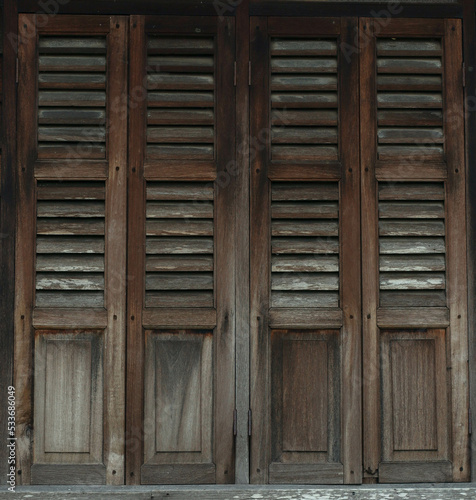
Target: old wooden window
{"type": "Point", "coordinates": [127, 262]}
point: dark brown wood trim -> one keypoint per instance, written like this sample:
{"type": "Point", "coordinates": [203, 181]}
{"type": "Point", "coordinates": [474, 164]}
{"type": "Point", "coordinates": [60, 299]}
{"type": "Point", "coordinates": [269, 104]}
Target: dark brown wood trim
{"type": "Point", "coordinates": [7, 222]}
{"type": "Point", "coordinates": [354, 9]}
{"type": "Point", "coordinates": [126, 7]}
{"type": "Point", "coordinates": [469, 34]}
{"type": "Point", "coordinates": [242, 243]}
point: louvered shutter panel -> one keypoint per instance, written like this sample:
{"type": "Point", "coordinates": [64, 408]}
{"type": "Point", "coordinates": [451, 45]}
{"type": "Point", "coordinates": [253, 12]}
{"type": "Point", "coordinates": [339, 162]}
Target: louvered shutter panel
{"type": "Point", "coordinates": [70, 300]}
{"type": "Point", "coordinates": [181, 225]}
{"type": "Point", "coordinates": [413, 236]}
{"type": "Point", "coordinates": [304, 252]}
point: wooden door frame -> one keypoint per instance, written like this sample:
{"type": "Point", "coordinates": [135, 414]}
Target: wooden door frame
{"type": "Point", "coordinates": [464, 9]}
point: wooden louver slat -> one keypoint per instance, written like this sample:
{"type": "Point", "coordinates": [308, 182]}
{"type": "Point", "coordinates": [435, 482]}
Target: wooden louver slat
{"type": "Point", "coordinates": [412, 244]}
{"type": "Point", "coordinates": [304, 75]}
{"type": "Point", "coordinates": [181, 98]}
{"type": "Point", "coordinates": [70, 244]}
{"type": "Point", "coordinates": [179, 244]}
{"type": "Point", "coordinates": [305, 244]}
{"type": "Point", "coordinates": [410, 99]}
{"type": "Point", "coordinates": [72, 97]}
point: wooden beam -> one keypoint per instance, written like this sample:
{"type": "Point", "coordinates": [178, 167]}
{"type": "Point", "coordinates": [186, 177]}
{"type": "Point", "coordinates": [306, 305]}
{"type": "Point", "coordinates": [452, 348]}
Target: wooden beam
{"type": "Point", "coordinates": [242, 248]}
{"type": "Point", "coordinates": [469, 34]}
{"type": "Point", "coordinates": [7, 222]}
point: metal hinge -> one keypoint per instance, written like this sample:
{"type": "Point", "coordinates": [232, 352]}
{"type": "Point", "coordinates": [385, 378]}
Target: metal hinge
{"type": "Point", "coordinates": [464, 75]}
{"type": "Point", "coordinates": [249, 73]}
{"type": "Point", "coordinates": [249, 422]}
{"type": "Point", "coordinates": [17, 64]}
{"type": "Point", "coordinates": [235, 422]}
{"type": "Point", "coordinates": [234, 79]}
{"type": "Point", "coordinates": [470, 421]}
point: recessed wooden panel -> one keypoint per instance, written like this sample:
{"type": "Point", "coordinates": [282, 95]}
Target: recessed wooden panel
{"type": "Point", "coordinates": [69, 397]}
{"type": "Point", "coordinates": [305, 400]}
{"type": "Point", "coordinates": [415, 413]}
{"type": "Point", "coordinates": [305, 396]}
{"type": "Point", "coordinates": [178, 397]}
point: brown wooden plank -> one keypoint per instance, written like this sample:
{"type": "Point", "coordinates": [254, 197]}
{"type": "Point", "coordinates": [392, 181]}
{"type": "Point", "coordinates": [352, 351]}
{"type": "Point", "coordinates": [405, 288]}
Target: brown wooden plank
{"type": "Point", "coordinates": [291, 171]}
{"type": "Point", "coordinates": [415, 210]}
{"type": "Point", "coordinates": [305, 246]}
{"type": "Point", "coordinates": [413, 317]}
{"type": "Point", "coordinates": [179, 318]}
{"type": "Point", "coordinates": [135, 258]}
{"type": "Point", "coordinates": [306, 473]}
{"type": "Point", "coordinates": [305, 318]}
{"type": "Point", "coordinates": [71, 170]}
{"type": "Point", "coordinates": [306, 210]}
{"type": "Point", "coordinates": [456, 242]}
{"type": "Point", "coordinates": [301, 264]}
{"type": "Point", "coordinates": [179, 474]}
{"type": "Point", "coordinates": [179, 298]}
{"type": "Point", "coordinates": [184, 170]}
{"type": "Point", "coordinates": [116, 241]}
{"type": "Point", "coordinates": [69, 318]}
{"type": "Point", "coordinates": [411, 191]}
{"type": "Point", "coordinates": [396, 169]}
{"type": "Point", "coordinates": [304, 299]}
{"type": "Point", "coordinates": [413, 298]}
{"type": "Point", "coordinates": [416, 472]}
{"type": "Point", "coordinates": [47, 474]}
{"type": "Point", "coordinates": [164, 263]}
{"type": "Point", "coordinates": [179, 191]}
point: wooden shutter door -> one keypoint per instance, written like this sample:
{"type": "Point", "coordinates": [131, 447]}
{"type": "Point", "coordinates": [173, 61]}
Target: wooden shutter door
{"type": "Point", "coordinates": [180, 388]}
{"type": "Point", "coordinates": [70, 256]}
{"type": "Point", "coordinates": [414, 252]}
{"type": "Point", "coordinates": [305, 252]}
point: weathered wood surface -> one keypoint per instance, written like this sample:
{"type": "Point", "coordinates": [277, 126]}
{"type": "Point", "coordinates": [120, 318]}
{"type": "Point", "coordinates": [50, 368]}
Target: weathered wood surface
{"type": "Point", "coordinates": [404, 492]}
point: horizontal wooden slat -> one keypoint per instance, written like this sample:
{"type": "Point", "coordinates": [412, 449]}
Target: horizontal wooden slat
{"type": "Point", "coordinates": [311, 228]}
{"type": "Point", "coordinates": [59, 98]}
{"type": "Point", "coordinates": [304, 299]}
{"type": "Point", "coordinates": [305, 83]}
{"type": "Point", "coordinates": [71, 134]}
{"type": "Point", "coordinates": [177, 45]}
{"type": "Point", "coordinates": [69, 318]}
{"type": "Point", "coordinates": [70, 191]}
{"type": "Point", "coordinates": [408, 47]}
{"type": "Point", "coordinates": [409, 82]}
{"type": "Point", "coordinates": [297, 153]}
{"type": "Point", "coordinates": [187, 151]}
{"type": "Point", "coordinates": [300, 117]}
{"type": "Point", "coordinates": [179, 191]}
{"type": "Point", "coordinates": [184, 81]}
{"type": "Point", "coordinates": [412, 210]}
{"type": "Point", "coordinates": [70, 227]}
{"type": "Point", "coordinates": [192, 318]}
{"type": "Point", "coordinates": [412, 281]}
{"type": "Point", "coordinates": [179, 246]}
{"type": "Point", "coordinates": [47, 474]}
{"type": "Point", "coordinates": [410, 117]}
{"type": "Point", "coordinates": [303, 65]}
{"type": "Point", "coordinates": [397, 169]}
{"type": "Point", "coordinates": [198, 209]}
{"type": "Point", "coordinates": [313, 171]}
{"type": "Point", "coordinates": [302, 47]}
{"type": "Point", "coordinates": [305, 318]}
{"type": "Point", "coordinates": [303, 135]}
{"type": "Point", "coordinates": [179, 170]}
{"type": "Point", "coordinates": [69, 244]}
{"type": "Point", "coordinates": [178, 63]}
{"type": "Point", "coordinates": [69, 299]}
{"type": "Point", "coordinates": [179, 281]}
{"type": "Point", "coordinates": [179, 228]}
{"type": "Point", "coordinates": [412, 263]}
{"type": "Point", "coordinates": [409, 65]}
{"type": "Point", "coordinates": [182, 298]}
{"type": "Point", "coordinates": [179, 474]}
{"type": "Point", "coordinates": [413, 317]}
{"type": "Point", "coordinates": [305, 281]}
{"type": "Point", "coordinates": [71, 169]}
{"type": "Point", "coordinates": [410, 100]}
{"type": "Point", "coordinates": [415, 153]}
{"type": "Point", "coordinates": [304, 210]}
{"type": "Point", "coordinates": [68, 150]}
{"type": "Point", "coordinates": [304, 191]}
{"type": "Point", "coordinates": [69, 281]}
{"type": "Point", "coordinates": [410, 136]}
{"type": "Point", "coordinates": [72, 45]}
{"type": "Point", "coordinates": [305, 246]}
{"type": "Point", "coordinates": [76, 81]}
{"type": "Point", "coordinates": [321, 473]}
{"type": "Point", "coordinates": [411, 191]}
{"type": "Point", "coordinates": [416, 472]}
{"type": "Point", "coordinates": [307, 100]}
{"type": "Point", "coordinates": [72, 63]}
{"type": "Point", "coordinates": [168, 116]}
{"type": "Point", "coordinates": [412, 246]}
{"type": "Point", "coordinates": [81, 209]}
{"type": "Point", "coordinates": [413, 298]}
{"type": "Point", "coordinates": [411, 228]}
{"type": "Point", "coordinates": [179, 263]}
{"type": "Point", "coordinates": [180, 134]}
{"type": "Point", "coordinates": [70, 263]}
{"type": "Point", "coordinates": [296, 264]}
{"type": "Point", "coordinates": [181, 99]}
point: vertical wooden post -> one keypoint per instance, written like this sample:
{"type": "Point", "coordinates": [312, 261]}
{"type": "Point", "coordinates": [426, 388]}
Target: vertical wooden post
{"type": "Point", "coordinates": [242, 243]}
{"type": "Point", "coordinates": [7, 221]}
{"type": "Point", "coordinates": [469, 34]}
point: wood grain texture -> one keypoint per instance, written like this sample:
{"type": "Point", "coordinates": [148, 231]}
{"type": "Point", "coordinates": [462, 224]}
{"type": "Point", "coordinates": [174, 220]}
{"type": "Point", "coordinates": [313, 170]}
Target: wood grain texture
{"type": "Point", "coordinates": [8, 174]}
{"type": "Point", "coordinates": [416, 472]}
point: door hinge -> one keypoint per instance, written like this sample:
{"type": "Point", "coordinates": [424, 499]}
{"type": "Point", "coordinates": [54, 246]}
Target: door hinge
{"type": "Point", "coordinates": [249, 73]}
{"type": "Point", "coordinates": [470, 421]}
{"type": "Point", "coordinates": [17, 65]}
{"type": "Point", "coordinates": [464, 75]}
{"type": "Point", "coordinates": [235, 422]}
{"type": "Point", "coordinates": [234, 74]}
{"type": "Point", "coordinates": [249, 422]}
